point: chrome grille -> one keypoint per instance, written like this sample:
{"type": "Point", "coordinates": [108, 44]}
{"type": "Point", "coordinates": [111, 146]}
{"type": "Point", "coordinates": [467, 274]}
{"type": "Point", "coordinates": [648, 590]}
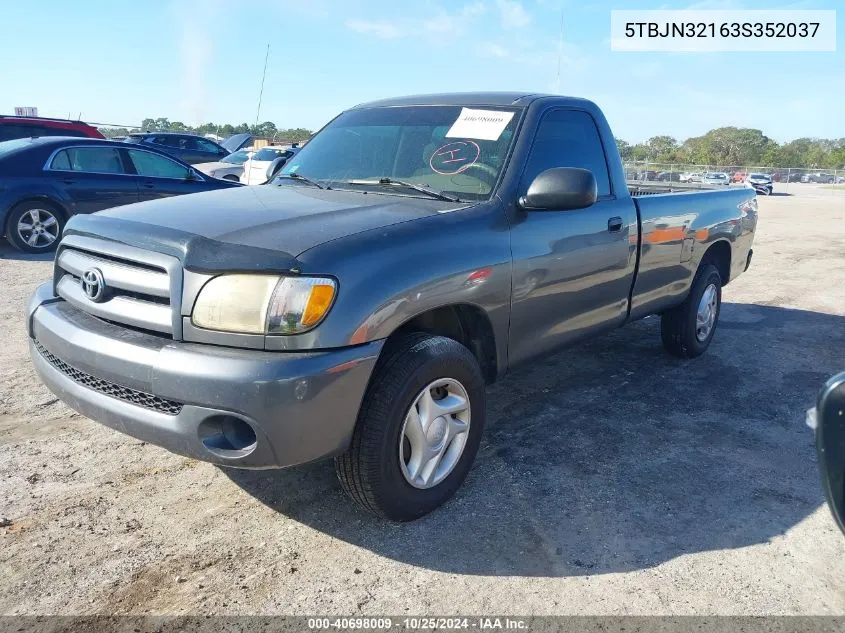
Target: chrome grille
{"type": "Point", "coordinates": [132, 396]}
{"type": "Point", "coordinates": [138, 285]}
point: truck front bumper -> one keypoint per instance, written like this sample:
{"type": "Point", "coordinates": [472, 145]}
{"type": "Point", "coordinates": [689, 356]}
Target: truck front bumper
{"type": "Point", "coordinates": [242, 408]}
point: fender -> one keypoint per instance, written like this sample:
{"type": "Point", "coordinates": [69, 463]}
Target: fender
{"type": "Point", "coordinates": [389, 276]}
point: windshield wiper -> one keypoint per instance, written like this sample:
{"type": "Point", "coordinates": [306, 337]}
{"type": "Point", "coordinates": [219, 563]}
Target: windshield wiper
{"type": "Point", "coordinates": [401, 183]}
{"type": "Point", "coordinates": [296, 176]}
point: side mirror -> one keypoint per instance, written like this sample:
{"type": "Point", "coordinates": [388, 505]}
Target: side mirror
{"type": "Point", "coordinates": [193, 175]}
{"type": "Point", "coordinates": [561, 189]}
{"type": "Point", "coordinates": [828, 419]}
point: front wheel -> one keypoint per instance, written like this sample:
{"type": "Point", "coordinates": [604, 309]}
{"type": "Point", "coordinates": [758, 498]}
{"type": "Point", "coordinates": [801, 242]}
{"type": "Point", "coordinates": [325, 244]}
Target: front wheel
{"type": "Point", "coordinates": [688, 329]}
{"type": "Point", "coordinates": [418, 430]}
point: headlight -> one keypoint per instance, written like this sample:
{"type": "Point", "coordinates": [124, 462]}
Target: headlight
{"type": "Point", "coordinates": [263, 304]}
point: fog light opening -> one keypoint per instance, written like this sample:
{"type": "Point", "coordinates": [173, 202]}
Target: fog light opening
{"type": "Point", "coordinates": [227, 436]}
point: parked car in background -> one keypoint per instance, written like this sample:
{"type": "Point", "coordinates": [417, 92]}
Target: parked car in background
{"type": "Point", "coordinates": [229, 167]}
{"type": "Point", "coordinates": [46, 180]}
{"type": "Point", "coordinates": [738, 176]}
{"type": "Point", "coordinates": [669, 176]}
{"type": "Point", "coordinates": [12, 127]}
{"type": "Point", "coordinates": [265, 163]}
{"type": "Point", "coordinates": [693, 176]}
{"type": "Point", "coordinates": [761, 183]}
{"type": "Point", "coordinates": [716, 178]}
{"type": "Point", "coordinates": [789, 176]}
{"type": "Point", "coordinates": [824, 179]}
{"type": "Point", "coordinates": [190, 148]}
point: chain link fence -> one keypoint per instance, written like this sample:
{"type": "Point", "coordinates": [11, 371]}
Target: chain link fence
{"type": "Point", "coordinates": [644, 172]}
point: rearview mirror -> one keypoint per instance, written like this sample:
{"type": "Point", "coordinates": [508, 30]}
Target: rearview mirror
{"type": "Point", "coordinates": [828, 419]}
{"type": "Point", "coordinates": [561, 189]}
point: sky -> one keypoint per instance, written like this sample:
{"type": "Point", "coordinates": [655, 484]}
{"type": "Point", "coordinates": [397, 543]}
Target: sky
{"type": "Point", "coordinates": [196, 61]}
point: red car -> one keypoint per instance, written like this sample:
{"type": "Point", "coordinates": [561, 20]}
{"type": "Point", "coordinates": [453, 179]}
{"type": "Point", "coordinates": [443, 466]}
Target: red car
{"type": "Point", "coordinates": [12, 127]}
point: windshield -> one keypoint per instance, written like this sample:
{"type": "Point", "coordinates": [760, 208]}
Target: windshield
{"type": "Point", "coordinates": [237, 158]}
{"type": "Point", "coordinates": [759, 176]}
{"type": "Point", "coordinates": [448, 149]}
{"type": "Point", "coordinates": [271, 153]}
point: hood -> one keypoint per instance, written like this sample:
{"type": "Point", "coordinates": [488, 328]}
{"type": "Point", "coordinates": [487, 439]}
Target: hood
{"type": "Point", "coordinates": [236, 142]}
{"type": "Point", "coordinates": [250, 228]}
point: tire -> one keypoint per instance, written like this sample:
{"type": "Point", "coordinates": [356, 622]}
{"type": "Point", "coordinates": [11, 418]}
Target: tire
{"type": "Point", "coordinates": [679, 328]}
{"type": "Point", "coordinates": [46, 221]}
{"type": "Point", "coordinates": [231, 178]}
{"type": "Point", "coordinates": [376, 468]}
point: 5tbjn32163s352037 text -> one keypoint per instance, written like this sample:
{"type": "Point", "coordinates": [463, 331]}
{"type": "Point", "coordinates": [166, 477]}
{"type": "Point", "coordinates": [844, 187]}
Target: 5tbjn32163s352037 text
{"type": "Point", "coordinates": [724, 29]}
{"type": "Point", "coordinates": [694, 30]}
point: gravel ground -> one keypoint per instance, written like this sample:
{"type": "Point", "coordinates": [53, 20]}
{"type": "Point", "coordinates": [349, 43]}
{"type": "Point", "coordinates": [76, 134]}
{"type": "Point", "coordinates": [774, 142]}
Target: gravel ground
{"type": "Point", "coordinates": [612, 480]}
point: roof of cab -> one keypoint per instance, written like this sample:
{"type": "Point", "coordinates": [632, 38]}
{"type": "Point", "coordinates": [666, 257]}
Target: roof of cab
{"type": "Point", "coordinates": [460, 98]}
{"type": "Point", "coordinates": [474, 99]}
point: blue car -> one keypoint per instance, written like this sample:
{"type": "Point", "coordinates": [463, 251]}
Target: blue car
{"type": "Point", "coordinates": [44, 181]}
{"type": "Point", "coordinates": [190, 148]}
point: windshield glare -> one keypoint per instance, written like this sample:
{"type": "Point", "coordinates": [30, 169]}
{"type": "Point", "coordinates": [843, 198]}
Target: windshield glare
{"type": "Point", "coordinates": [236, 158]}
{"type": "Point", "coordinates": [271, 153]}
{"type": "Point", "coordinates": [408, 143]}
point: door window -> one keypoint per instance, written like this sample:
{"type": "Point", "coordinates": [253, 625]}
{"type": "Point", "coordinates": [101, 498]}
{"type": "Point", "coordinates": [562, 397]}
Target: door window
{"type": "Point", "coordinates": [204, 145]}
{"type": "Point", "coordinates": [567, 138]}
{"type": "Point", "coordinates": [97, 160]}
{"type": "Point", "coordinates": [154, 166]}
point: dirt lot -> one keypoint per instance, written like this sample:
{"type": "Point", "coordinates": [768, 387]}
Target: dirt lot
{"type": "Point", "coordinates": [612, 479]}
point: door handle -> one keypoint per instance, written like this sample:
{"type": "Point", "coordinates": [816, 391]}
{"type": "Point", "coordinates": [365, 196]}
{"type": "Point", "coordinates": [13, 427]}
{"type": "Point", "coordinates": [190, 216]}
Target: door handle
{"type": "Point", "coordinates": [148, 185]}
{"type": "Point", "coordinates": [614, 224]}
{"type": "Point", "coordinates": [69, 181]}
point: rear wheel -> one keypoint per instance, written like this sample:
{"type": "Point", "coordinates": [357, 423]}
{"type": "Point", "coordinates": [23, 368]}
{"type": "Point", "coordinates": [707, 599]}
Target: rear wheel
{"type": "Point", "coordinates": [34, 227]}
{"type": "Point", "coordinates": [688, 329]}
{"type": "Point", "coordinates": [418, 430]}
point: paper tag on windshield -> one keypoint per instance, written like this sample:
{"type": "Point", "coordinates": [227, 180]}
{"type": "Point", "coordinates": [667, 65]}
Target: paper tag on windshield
{"type": "Point", "coordinates": [486, 125]}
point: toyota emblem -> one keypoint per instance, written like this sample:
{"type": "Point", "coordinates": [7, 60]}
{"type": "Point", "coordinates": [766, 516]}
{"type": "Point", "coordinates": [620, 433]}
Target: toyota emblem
{"type": "Point", "coordinates": [93, 284]}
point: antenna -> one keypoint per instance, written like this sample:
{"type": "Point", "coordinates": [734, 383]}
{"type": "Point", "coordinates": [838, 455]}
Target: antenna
{"type": "Point", "coordinates": [261, 92]}
{"type": "Point", "coordinates": [560, 50]}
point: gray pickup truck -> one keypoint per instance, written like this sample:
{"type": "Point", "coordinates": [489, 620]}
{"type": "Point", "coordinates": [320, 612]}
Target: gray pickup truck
{"type": "Point", "coordinates": [356, 306]}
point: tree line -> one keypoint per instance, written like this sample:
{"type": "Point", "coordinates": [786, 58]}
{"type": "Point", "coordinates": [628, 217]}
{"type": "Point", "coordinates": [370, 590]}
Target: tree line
{"type": "Point", "coordinates": [733, 146]}
{"type": "Point", "coordinates": [267, 129]}
{"type": "Point", "coordinates": [730, 146]}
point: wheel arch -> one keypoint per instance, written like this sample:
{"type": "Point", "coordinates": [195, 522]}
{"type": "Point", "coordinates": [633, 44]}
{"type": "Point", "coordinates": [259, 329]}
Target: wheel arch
{"type": "Point", "coordinates": [719, 254]}
{"type": "Point", "coordinates": [466, 323]}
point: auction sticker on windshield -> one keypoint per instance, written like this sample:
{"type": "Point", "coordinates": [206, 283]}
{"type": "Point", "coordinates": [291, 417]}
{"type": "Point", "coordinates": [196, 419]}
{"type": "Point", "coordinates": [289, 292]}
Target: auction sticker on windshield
{"type": "Point", "coordinates": [484, 125]}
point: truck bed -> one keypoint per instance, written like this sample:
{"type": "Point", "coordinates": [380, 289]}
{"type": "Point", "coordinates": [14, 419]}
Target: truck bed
{"type": "Point", "coordinates": [640, 188]}
{"type": "Point", "coordinates": [676, 229]}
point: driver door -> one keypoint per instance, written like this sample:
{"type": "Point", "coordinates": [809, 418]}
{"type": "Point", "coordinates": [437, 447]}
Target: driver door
{"type": "Point", "coordinates": [572, 269]}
